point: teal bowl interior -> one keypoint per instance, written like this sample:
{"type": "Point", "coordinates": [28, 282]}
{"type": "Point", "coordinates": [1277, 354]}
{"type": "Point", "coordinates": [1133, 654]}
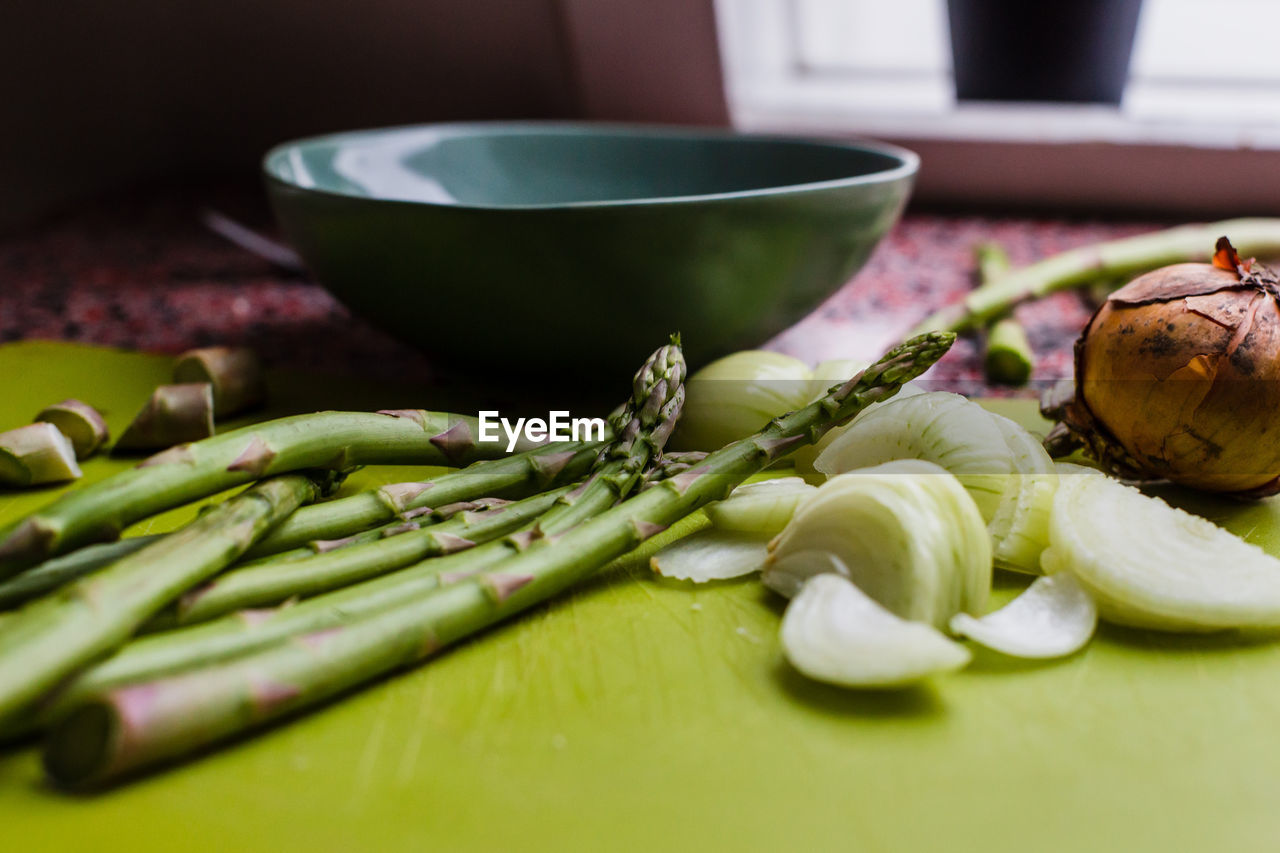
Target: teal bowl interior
{"type": "Point", "coordinates": [522, 247]}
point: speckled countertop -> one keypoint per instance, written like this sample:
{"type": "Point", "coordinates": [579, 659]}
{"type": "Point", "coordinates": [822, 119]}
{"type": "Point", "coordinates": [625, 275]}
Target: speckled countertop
{"type": "Point", "coordinates": [140, 271]}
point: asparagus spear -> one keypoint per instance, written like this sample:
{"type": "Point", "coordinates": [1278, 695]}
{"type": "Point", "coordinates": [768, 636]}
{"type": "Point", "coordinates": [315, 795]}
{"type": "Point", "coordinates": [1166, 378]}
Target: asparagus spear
{"type": "Point", "coordinates": [174, 414]}
{"type": "Point", "coordinates": [133, 726]}
{"type": "Point", "coordinates": [79, 422]}
{"type": "Point", "coordinates": [234, 374]}
{"type": "Point", "coordinates": [275, 580]}
{"type": "Point", "coordinates": [52, 574]}
{"type": "Point", "coordinates": [658, 384]}
{"type": "Point", "coordinates": [34, 454]}
{"type": "Point", "coordinates": [1114, 259]}
{"type": "Point", "coordinates": [329, 440]}
{"type": "Point", "coordinates": [158, 654]}
{"type": "Point", "coordinates": [51, 638]}
{"type": "Point", "coordinates": [344, 518]}
{"type": "Point", "coordinates": [238, 633]}
{"type": "Point", "coordinates": [516, 476]}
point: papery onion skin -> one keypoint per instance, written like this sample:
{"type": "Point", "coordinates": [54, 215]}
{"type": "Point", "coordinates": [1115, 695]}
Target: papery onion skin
{"type": "Point", "coordinates": [1178, 378]}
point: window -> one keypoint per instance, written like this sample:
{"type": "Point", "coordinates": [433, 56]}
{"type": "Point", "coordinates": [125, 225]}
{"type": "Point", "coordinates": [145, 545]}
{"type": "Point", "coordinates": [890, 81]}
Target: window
{"type": "Point", "coordinates": [1203, 73]}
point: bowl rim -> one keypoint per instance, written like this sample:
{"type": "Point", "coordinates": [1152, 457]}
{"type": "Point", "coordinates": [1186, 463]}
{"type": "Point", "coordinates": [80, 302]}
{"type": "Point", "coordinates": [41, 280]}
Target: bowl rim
{"type": "Point", "coordinates": [908, 161]}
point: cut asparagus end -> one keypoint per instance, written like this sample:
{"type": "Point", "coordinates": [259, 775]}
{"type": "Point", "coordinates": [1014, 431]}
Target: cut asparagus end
{"type": "Point", "coordinates": [175, 414]}
{"type": "Point", "coordinates": [235, 373]}
{"type": "Point", "coordinates": [1149, 565]}
{"type": "Point", "coordinates": [711, 555]}
{"type": "Point", "coordinates": [78, 421]}
{"type": "Point", "coordinates": [1008, 359]}
{"type": "Point", "coordinates": [1054, 617]}
{"type": "Point", "coordinates": [36, 453]}
{"type": "Point", "coordinates": [83, 746]}
{"type": "Point", "coordinates": [834, 632]}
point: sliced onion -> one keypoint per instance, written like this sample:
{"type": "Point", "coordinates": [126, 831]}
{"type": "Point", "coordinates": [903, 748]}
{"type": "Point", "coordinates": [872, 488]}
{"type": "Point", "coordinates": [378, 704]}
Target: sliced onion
{"type": "Point", "coordinates": [1020, 528]}
{"type": "Point", "coordinates": [762, 508]}
{"type": "Point", "coordinates": [805, 456]}
{"type": "Point", "coordinates": [711, 555]}
{"type": "Point", "coordinates": [909, 534]}
{"type": "Point", "coordinates": [1149, 565]}
{"type": "Point", "coordinates": [939, 427]}
{"type": "Point", "coordinates": [834, 632]}
{"type": "Point", "coordinates": [1053, 617]}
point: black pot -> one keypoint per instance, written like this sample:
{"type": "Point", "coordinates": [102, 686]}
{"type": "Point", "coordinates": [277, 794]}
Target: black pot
{"type": "Point", "coordinates": [1042, 50]}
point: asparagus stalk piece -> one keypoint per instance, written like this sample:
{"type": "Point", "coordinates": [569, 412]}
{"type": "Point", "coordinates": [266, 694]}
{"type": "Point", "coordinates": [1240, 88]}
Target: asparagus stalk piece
{"type": "Point", "coordinates": [133, 726]}
{"type": "Point", "coordinates": [234, 373]}
{"type": "Point", "coordinates": [1007, 359]}
{"type": "Point", "coordinates": [35, 454]}
{"type": "Point", "coordinates": [325, 440]}
{"type": "Point", "coordinates": [78, 421]}
{"type": "Point", "coordinates": [174, 414]}
{"type": "Point", "coordinates": [53, 637]}
{"type": "Point", "coordinates": [1114, 259]}
{"type": "Point", "coordinates": [658, 395]}
{"type": "Point", "coordinates": [275, 581]}
{"type": "Point", "coordinates": [516, 476]}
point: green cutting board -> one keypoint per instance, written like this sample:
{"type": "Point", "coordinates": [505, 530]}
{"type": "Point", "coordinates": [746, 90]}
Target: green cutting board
{"type": "Point", "coordinates": [638, 715]}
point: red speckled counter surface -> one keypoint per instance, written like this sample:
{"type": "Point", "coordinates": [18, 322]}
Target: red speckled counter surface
{"type": "Point", "coordinates": [141, 271]}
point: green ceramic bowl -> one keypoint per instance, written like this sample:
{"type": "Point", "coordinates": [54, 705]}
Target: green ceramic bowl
{"type": "Point", "coordinates": [579, 247]}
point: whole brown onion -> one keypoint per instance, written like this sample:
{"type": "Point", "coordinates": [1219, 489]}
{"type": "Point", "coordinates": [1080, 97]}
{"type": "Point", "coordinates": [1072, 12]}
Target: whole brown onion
{"type": "Point", "coordinates": [1178, 378]}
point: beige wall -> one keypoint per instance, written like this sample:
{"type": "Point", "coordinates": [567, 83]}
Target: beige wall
{"type": "Point", "coordinates": [100, 93]}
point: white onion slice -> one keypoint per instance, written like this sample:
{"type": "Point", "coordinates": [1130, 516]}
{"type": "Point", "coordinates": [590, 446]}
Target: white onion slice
{"type": "Point", "coordinates": [834, 632]}
{"type": "Point", "coordinates": [762, 508]}
{"type": "Point", "coordinates": [1054, 617]}
{"type": "Point", "coordinates": [711, 555]}
{"type": "Point", "coordinates": [908, 534]}
{"type": "Point", "coordinates": [938, 427]}
{"type": "Point", "coordinates": [1149, 565]}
